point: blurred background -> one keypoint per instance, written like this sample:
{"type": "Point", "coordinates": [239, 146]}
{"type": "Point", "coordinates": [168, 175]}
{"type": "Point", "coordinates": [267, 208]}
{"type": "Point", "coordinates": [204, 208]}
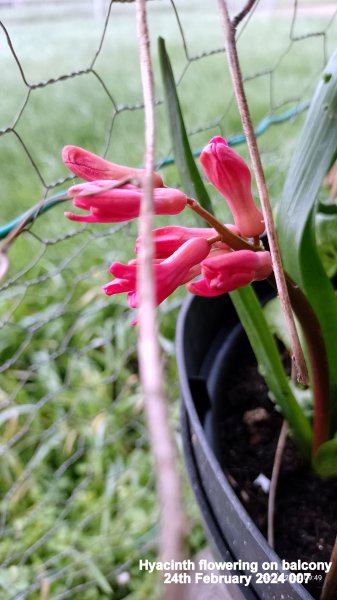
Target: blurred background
{"type": "Point", "coordinates": [77, 495]}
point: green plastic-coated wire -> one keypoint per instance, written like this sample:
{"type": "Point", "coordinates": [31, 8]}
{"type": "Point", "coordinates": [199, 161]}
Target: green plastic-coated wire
{"type": "Point", "coordinates": [265, 123]}
{"type": "Point", "coordinates": [31, 214]}
{"type": "Point", "coordinates": [234, 140]}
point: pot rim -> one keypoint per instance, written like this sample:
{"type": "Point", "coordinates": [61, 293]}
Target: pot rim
{"type": "Point", "coordinates": [209, 518]}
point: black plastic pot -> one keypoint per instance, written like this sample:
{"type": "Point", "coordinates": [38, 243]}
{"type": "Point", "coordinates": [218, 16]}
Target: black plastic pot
{"type": "Point", "coordinates": [208, 330]}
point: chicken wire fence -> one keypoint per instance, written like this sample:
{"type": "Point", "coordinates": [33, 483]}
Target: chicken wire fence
{"type": "Point", "coordinates": [77, 504]}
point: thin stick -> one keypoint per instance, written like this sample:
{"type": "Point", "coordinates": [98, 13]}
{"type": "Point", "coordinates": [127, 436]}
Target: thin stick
{"type": "Point", "coordinates": [330, 583]}
{"type": "Point", "coordinates": [246, 9]}
{"type": "Point", "coordinates": [171, 519]}
{"type": "Point", "coordinates": [274, 480]}
{"type": "Point", "coordinates": [234, 67]}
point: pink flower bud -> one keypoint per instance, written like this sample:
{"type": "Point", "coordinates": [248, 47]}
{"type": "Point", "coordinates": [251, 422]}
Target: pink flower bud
{"type": "Point", "coordinates": [169, 274]}
{"type": "Point", "coordinates": [228, 271]}
{"type": "Point", "coordinates": [89, 166]}
{"type": "Point", "coordinates": [111, 205]}
{"type": "Point", "coordinates": [168, 239]}
{"type": "Point", "coordinates": [228, 172]}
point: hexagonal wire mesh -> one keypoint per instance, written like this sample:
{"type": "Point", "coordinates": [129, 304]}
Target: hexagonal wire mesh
{"type": "Point", "coordinates": [77, 495]}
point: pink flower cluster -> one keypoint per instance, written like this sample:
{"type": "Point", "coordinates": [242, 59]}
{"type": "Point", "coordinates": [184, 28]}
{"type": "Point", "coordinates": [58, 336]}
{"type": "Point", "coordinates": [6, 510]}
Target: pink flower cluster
{"type": "Point", "coordinates": [181, 253]}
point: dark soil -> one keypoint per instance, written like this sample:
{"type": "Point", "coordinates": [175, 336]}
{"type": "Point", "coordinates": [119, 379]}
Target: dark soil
{"type": "Point", "coordinates": [306, 515]}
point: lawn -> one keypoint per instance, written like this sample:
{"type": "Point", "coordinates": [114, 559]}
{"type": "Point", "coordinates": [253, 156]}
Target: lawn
{"type": "Point", "coordinates": [77, 493]}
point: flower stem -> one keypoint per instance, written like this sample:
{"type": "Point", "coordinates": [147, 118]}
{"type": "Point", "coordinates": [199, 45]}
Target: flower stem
{"type": "Point", "coordinates": [214, 239]}
{"type": "Point", "coordinates": [234, 241]}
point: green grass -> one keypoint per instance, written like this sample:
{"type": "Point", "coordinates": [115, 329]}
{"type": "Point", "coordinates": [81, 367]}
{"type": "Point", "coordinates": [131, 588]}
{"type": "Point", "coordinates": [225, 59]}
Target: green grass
{"type": "Point", "coordinates": [78, 500]}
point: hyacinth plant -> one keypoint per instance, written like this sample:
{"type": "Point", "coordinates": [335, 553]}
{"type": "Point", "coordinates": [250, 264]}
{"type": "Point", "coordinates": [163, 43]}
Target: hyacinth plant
{"type": "Point", "coordinates": [218, 258]}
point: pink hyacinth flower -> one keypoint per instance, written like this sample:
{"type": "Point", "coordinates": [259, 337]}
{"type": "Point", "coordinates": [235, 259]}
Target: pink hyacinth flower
{"type": "Point", "coordinates": [169, 274]}
{"type": "Point", "coordinates": [168, 239]}
{"type": "Point", "coordinates": [112, 205]}
{"type": "Point", "coordinates": [89, 166]}
{"type": "Point", "coordinates": [228, 271]}
{"type": "Point", "coordinates": [228, 172]}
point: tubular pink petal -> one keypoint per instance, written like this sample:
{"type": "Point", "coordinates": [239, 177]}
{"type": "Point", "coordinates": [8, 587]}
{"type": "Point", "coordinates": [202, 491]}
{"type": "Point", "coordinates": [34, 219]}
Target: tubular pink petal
{"type": "Point", "coordinates": [228, 172]}
{"type": "Point", "coordinates": [189, 254]}
{"type": "Point", "coordinates": [183, 265]}
{"type": "Point", "coordinates": [265, 266]}
{"type": "Point", "coordinates": [97, 187]}
{"type": "Point", "coordinates": [110, 199]}
{"type": "Point", "coordinates": [169, 201]}
{"type": "Point", "coordinates": [119, 214]}
{"type": "Point", "coordinates": [201, 288]}
{"type": "Point", "coordinates": [85, 218]}
{"type": "Point", "coordinates": [169, 239]}
{"type": "Point", "coordinates": [133, 300]}
{"type": "Point", "coordinates": [239, 261]}
{"type": "Point", "coordinates": [123, 203]}
{"type": "Point", "coordinates": [228, 271]}
{"type": "Point", "coordinates": [128, 272]}
{"type": "Point", "coordinates": [191, 274]}
{"type": "Point", "coordinates": [172, 272]}
{"type": "Point", "coordinates": [117, 286]}
{"type": "Point", "coordinates": [89, 166]}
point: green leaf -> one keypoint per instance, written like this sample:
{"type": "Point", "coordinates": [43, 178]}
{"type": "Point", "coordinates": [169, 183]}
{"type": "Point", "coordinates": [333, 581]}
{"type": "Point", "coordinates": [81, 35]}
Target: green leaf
{"type": "Point", "coordinates": [276, 321]}
{"type": "Point", "coordinates": [252, 318]}
{"type": "Point", "coordinates": [326, 235]}
{"type": "Point", "coordinates": [325, 461]}
{"type": "Point", "coordinates": [188, 172]}
{"type": "Point", "coordinates": [296, 213]}
{"type": "Point", "coordinates": [304, 398]}
{"type": "Point", "coordinates": [275, 318]}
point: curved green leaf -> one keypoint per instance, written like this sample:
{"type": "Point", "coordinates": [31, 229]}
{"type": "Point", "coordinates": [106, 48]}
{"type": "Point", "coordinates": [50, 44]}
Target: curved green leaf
{"type": "Point", "coordinates": [326, 236]}
{"type": "Point", "coordinates": [188, 172]}
{"type": "Point", "coordinates": [253, 320]}
{"type": "Point", "coordinates": [310, 163]}
{"type": "Point", "coordinates": [325, 461]}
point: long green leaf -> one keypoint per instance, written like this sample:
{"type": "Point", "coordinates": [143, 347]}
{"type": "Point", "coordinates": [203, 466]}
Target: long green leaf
{"type": "Point", "coordinates": [188, 172]}
{"type": "Point", "coordinates": [270, 365]}
{"type": "Point", "coordinates": [310, 163]}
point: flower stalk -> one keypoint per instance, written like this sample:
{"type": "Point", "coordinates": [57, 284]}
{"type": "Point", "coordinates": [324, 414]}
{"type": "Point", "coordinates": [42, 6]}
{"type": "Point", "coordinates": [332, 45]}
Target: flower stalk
{"type": "Point", "coordinates": [228, 237]}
